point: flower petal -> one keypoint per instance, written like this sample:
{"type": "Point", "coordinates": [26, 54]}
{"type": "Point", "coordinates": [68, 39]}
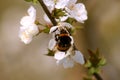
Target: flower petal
{"type": "Point", "coordinates": [72, 2]}
{"type": "Point", "coordinates": [81, 13]}
{"type": "Point", "coordinates": [30, 19]}
{"type": "Point", "coordinates": [32, 12]}
{"type": "Point", "coordinates": [63, 18]}
{"type": "Point", "coordinates": [52, 29]}
{"type": "Point", "coordinates": [49, 2]}
{"type": "Point", "coordinates": [47, 19]}
{"type": "Point", "coordinates": [65, 24]}
{"type": "Point", "coordinates": [78, 12]}
{"type": "Point", "coordinates": [59, 55]}
{"type": "Point", "coordinates": [68, 63]}
{"type": "Point", "coordinates": [59, 62]}
{"type": "Point", "coordinates": [32, 29]}
{"type": "Point", "coordinates": [78, 57]}
{"type": "Point", "coordinates": [26, 38]}
{"type": "Point", "coordinates": [82, 18]}
{"type": "Point", "coordinates": [26, 21]}
{"type": "Point", "coordinates": [61, 4]}
{"type": "Point", "coordinates": [52, 44]}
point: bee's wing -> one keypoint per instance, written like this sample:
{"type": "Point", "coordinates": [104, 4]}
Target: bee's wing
{"type": "Point", "coordinates": [78, 57]}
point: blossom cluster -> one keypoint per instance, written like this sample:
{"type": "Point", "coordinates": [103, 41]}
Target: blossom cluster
{"type": "Point", "coordinates": [70, 8]}
{"type": "Point", "coordinates": [28, 28]}
{"type": "Point", "coordinates": [62, 43]}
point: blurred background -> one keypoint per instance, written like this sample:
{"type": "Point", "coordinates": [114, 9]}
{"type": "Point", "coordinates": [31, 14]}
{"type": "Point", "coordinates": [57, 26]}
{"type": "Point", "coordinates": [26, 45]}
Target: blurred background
{"type": "Point", "coordinates": [28, 62]}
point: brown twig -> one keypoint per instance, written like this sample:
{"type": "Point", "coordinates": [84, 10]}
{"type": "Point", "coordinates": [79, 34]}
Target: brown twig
{"type": "Point", "coordinates": [52, 19]}
{"type": "Point", "coordinates": [97, 76]}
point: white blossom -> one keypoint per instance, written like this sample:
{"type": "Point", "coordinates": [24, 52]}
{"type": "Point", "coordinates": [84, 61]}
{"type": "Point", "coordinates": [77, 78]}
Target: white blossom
{"type": "Point", "coordinates": [24, 36]}
{"type": "Point", "coordinates": [30, 18]}
{"type": "Point", "coordinates": [28, 28]}
{"type": "Point", "coordinates": [58, 4]}
{"type": "Point", "coordinates": [76, 11]}
{"type": "Point", "coordinates": [68, 61]}
{"type": "Point", "coordinates": [73, 9]}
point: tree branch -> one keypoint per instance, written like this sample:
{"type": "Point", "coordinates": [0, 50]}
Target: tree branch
{"type": "Point", "coordinates": [52, 19]}
{"type": "Point", "coordinates": [97, 76]}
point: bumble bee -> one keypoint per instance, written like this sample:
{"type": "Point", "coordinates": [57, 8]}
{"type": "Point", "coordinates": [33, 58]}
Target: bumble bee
{"type": "Point", "coordinates": [63, 40]}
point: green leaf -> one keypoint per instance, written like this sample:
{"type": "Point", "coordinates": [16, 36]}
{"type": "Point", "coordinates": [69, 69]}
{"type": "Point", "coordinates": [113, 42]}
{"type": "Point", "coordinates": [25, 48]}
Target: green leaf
{"type": "Point", "coordinates": [58, 13]}
{"type": "Point", "coordinates": [88, 64]}
{"type": "Point", "coordinates": [97, 52]}
{"type": "Point", "coordinates": [87, 78]}
{"type": "Point", "coordinates": [91, 71]}
{"type": "Point", "coordinates": [70, 20]}
{"type": "Point", "coordinates": [33, 1]}
{"type": "Point", "coordinates": [97, 70]}
{"type": "Point", "coordinates": [50, 53]}
{"type": "Point", "coordinates": [28, 0]}
{"type": "Point", "coordinates": [102, 62]}
{"type": "Point", "coordinates": [46, 30]}
{"type": "Point", "coordinates": [91, 53]}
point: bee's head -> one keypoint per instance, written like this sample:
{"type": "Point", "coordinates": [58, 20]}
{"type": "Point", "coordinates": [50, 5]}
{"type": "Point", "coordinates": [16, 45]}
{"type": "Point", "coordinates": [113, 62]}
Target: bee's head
{"type": "Point", "coordinates": [62, 31]}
